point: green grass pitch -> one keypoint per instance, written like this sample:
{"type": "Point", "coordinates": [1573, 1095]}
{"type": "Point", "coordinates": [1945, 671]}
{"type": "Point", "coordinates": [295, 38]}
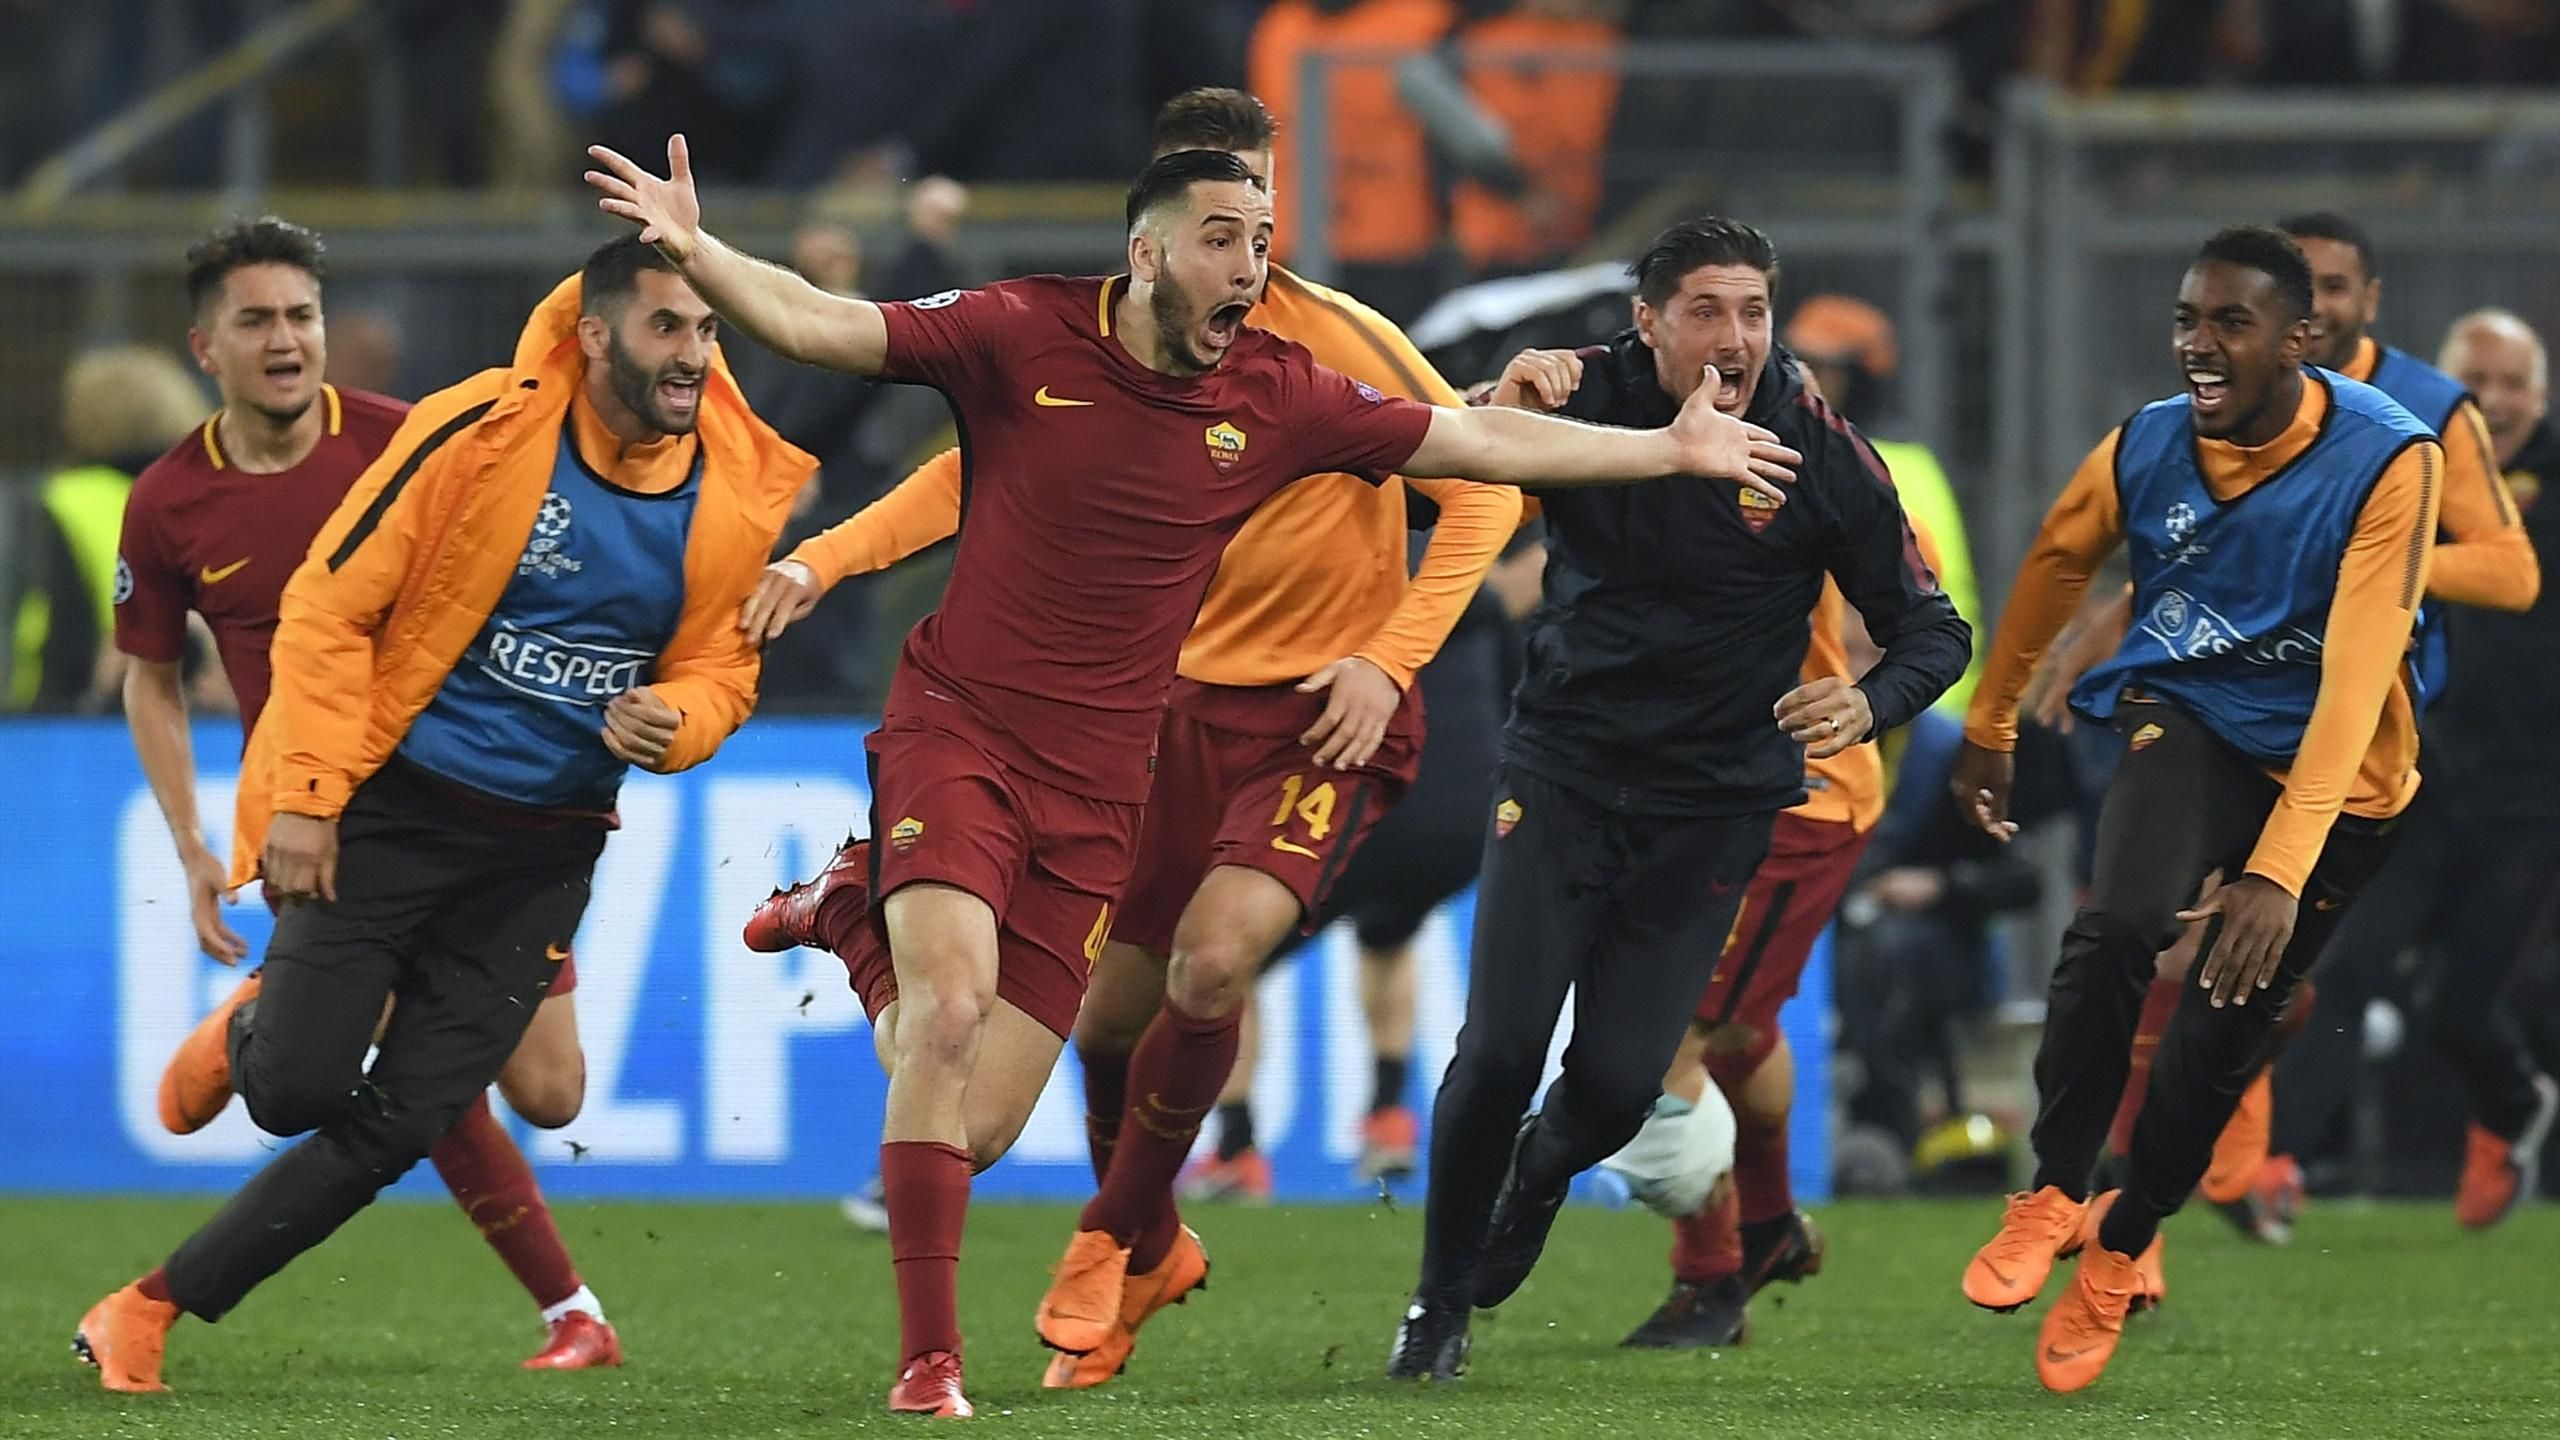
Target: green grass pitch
{"type": "Point", "coordinates": [777, 1321]}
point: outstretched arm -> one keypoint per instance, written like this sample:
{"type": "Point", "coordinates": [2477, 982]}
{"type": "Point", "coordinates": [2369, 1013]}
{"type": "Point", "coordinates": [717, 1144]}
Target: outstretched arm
{"type": "Point", "coordinates": [1516, 447]}
{"type": "Point", "coordinates": [775, 307]}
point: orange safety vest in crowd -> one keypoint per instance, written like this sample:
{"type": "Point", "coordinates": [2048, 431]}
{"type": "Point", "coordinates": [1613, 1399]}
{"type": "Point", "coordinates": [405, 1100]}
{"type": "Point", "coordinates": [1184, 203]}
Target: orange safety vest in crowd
{"type": "Point", "coordinates": [1378, 164]}
{"type": "Point", "coordinates": [1553, 83]}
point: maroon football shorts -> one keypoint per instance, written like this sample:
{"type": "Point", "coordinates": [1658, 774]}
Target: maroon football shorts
{"type": "Point", "coordinates": [1235, 787]}
{"type": "Point", "coordinates": [1049, 862]}
{"type": "Point", "coordinates": [1786, 907]}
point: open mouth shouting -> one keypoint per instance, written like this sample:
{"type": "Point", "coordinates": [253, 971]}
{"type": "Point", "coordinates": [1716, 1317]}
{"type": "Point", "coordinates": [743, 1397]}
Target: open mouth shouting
{"type": "Point", "coordinates": [2208, 386]}
{"type": "Point", "coordinates": [679, 393]}
{"type": "Point", "coordinates": [1733, 386]}
{"type": "Point", "coordinates": [1220, 329]}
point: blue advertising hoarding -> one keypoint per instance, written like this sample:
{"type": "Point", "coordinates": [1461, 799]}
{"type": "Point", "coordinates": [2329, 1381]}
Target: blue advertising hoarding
{"type": "Point", "coordinates": [712, 1071]}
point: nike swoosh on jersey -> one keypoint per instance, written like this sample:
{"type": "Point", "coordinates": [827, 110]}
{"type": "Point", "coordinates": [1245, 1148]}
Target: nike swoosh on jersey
{"type": "Point", "coordinates": [212, 576]}
{"type": "Point", "coordinates": [1042, 396]}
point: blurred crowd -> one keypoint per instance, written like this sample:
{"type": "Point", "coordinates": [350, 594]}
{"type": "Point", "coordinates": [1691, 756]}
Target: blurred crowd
{"type": "Point", "coordinates": [795, 93]}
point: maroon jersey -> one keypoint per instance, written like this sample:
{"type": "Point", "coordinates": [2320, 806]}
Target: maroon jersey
{"type": "Point", "coordinates": [1096, 496]}
{"type": "Point", "coordinates": [202, 535]}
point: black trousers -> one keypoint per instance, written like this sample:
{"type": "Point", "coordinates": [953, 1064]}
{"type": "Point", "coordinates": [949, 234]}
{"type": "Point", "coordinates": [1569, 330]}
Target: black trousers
{"type": "Point", "coordinates": [464, 922]}
{"type": "Point", "coordinates": [2475, 893]}
{"type": "Point", "coordinates": [2182, 805]}
{"type": "Point", "coordinates": [1629, 912]}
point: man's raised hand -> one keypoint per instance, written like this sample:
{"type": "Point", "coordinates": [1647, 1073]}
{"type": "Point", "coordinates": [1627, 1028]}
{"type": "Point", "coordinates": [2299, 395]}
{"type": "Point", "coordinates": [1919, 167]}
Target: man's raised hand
{"type": "Point", "coordinates": [667, 211]}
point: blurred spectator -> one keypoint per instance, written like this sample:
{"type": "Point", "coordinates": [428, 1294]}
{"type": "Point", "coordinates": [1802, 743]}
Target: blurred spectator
{"type": "Point", "coordinates": [721, 74]}
{"type": "Point", "coordinates": [364, 351]}
{"type": "Point", "coordinates": [2474, 42]}
{"type": "Point", "coordinates": [1916, 963]}
{"type": "Point", "coordinates": [822, 664]}
{"type": "Point", "coordinates": [1849, 346]}
{"type": "Point", "coordinates": [1382, 220]}
{"type": "Point", "coordinates": [930, 261]}
{"type": "Point", "coordinates": [1547, 71]}
{"type": "Point", "coordinates": [446, 49]}
{"type": "Point", "coordinates": [121, 408]}
{"type": "Point", "coordinates": [530, 136]}
{"type": "Point", "coordinates": [995, 90]}
{"type": "Point", "coordinates": [1190, 43]}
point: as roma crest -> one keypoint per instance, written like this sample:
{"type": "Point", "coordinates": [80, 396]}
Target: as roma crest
{"type": "Point", "coordinates": [1757, 509]}
{"type": "Point", "coordinates": [1226, 445]}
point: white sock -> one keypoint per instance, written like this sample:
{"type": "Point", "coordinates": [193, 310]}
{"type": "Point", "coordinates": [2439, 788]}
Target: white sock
{"type": "Point", "coordinates": [585, 1300]}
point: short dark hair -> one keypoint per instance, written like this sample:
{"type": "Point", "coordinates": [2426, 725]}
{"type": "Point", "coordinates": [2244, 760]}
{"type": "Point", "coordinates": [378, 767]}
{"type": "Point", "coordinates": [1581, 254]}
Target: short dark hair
{"type": "Point", "coordinates": [1214, 118]}
{"type": "Point", "coordinates": [2270, 252]}
{"type": "Point", "coordinates": [2330, 225]}
{"type": "Point", "coordinates": [263, 241]}
{"type": "Point", "coordinates": [1684, 247]}
{"type": "Point", "coordinates": [1171, 176]}
{"type": "Point", "coordinates": [612, 273]}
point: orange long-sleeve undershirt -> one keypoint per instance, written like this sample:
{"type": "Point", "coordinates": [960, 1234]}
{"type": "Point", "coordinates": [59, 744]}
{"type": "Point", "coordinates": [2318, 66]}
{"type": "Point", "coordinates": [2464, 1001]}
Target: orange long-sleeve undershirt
{"type": "Point", "coordinates": [2359, 751]}
{"type": "Point", "coordinates": [1318, 573]}
{"type": "Point", "coordinates": [2484, 557]}
{"type": "Point", "coordinates": [1851, 785]}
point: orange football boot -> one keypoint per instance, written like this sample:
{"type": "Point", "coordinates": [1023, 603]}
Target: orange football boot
{"type": "Point", "coordinates": [1245, 1179]}
{"type": "Point", "coordinates": [2498, 1173]}
{"type": "Point", "coordinates": [2036, 1230]}
{"type": "Point", "coordinates": [122, 1336]}
{"type": "Point", "coordinates": [2086, 1322]}
{"type": "Point", "coordinates": [196, 1084]}
{"type": "Point", "coordinates": [1390, 1142]}
{"type": "Point", "coordinates": [2151, 1264]}
{"type": "Point", "coordinates": [1185, 1268]}
{"type": "Point", "coordinates": [2242, 1147]}
{"type": "Point", "coordinates": [1083, 1304]}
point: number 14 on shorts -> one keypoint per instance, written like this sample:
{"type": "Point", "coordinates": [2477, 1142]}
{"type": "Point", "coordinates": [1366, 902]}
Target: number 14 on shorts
{"type": "Point", "coordinates": [1300, 802]}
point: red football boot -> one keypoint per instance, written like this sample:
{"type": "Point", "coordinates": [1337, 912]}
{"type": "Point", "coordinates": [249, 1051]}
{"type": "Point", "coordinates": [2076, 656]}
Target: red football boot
{"type": "Point", "coordinates": [930, 1385]}
{"type": "Point", "coordinates": [579, 1341]}
{"type": "Point", "coordinates": [788, 919]}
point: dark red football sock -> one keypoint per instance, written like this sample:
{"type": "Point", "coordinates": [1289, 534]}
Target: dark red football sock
{"type": "Point", "coordinates": [1760, 1183]}
{"type": "Point", "coordinates": [155, 1286]}
{"type": "Point", "coordinates": [2157, 1007]}
{"type": "Point", "coordinates": [925, 1186]}
{"type": "Point", "coordinates": [490, 1180]}
{"type": "Point", "coordinates": [1106, 1094]}
{"type": "Point", "coordinates": [1707, 1246]}
{"type": "Point", "coordinates": [842, 916]}
{"type": "Point", "coordinates": [1181, 1064]}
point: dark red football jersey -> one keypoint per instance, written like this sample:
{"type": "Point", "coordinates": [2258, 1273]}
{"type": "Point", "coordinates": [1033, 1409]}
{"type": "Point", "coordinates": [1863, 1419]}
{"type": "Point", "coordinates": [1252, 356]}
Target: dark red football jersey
{"type": "Point", "coordinates": [1096, 497]}
{"type": "Point", "coordinates": [202, 535]}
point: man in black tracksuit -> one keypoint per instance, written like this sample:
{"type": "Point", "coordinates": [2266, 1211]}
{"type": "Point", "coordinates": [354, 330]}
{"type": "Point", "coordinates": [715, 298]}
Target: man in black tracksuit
{"type": "Point", "coordinates": [1657, 731]}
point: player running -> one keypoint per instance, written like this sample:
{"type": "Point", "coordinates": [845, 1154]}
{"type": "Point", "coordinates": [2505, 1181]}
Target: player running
{"type": "Point", "coordinates": [1642, 775]}
{"type": "Point", "coordinates": [2483, 558]}
{"type": "Point", "coordinates": [217, 527]}
{"type": "Point", "coordinates": [2475, 880]}
{"type": "Point", "coordinates": [2270, 734]}
{"type": "Point", "coordinates": [1120, 430]}
{"type": "Point", "coordinates": [532, 588]}
{"type": "Point", "coordinates": [1293, 724]}
{"type": "Point", "coordinates": [1750, 1234]}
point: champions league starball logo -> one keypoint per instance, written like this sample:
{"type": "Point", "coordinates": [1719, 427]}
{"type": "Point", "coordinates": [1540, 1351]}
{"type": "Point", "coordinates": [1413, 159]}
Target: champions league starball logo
{"type": "Point", "coordinates": [2180, 526]}
{"type": "Point", "coordinates": [542, 554]}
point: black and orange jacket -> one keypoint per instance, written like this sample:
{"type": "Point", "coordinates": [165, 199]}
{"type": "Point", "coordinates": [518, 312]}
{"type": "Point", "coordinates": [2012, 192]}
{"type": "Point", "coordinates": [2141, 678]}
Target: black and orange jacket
{"type": "Point", "coordinates": [407, 571]}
